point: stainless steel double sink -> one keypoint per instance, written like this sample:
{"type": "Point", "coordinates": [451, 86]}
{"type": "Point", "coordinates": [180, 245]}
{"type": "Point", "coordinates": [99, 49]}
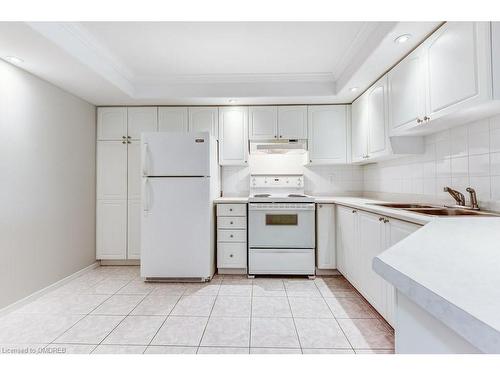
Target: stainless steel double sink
{"type": "Point", "coordinates": [432, 210]}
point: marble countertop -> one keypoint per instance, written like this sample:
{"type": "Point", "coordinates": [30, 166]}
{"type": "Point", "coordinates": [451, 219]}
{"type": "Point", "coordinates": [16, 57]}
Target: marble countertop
{"type": "Point", "coordinates": [451, 268]}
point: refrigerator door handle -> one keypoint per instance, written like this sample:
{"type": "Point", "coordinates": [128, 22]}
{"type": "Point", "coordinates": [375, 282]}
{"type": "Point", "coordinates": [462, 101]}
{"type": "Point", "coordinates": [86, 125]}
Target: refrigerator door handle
{"type": "Point", "coordinates": [144, 159]}
{"type": "Point", "coordinates": [146, 203]}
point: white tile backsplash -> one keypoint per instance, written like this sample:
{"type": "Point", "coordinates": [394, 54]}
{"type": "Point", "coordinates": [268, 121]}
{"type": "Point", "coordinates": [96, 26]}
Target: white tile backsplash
{"type": "Point", "coordinates": [318, 180]}
{"type": "Point", "coordinates": [468, 155]}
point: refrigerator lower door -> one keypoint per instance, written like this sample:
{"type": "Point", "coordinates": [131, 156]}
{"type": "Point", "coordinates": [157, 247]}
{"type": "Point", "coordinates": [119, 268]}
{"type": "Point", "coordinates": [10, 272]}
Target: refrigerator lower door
{"type": "Point", "coordinates": [177, 238]}
{"type": "Point", "coordinates": [175, 154]}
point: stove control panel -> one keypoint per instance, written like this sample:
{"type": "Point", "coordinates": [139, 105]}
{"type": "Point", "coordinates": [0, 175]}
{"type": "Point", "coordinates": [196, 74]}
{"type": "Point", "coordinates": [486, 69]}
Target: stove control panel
{"type": "Point", "coordinates": [281, 181]}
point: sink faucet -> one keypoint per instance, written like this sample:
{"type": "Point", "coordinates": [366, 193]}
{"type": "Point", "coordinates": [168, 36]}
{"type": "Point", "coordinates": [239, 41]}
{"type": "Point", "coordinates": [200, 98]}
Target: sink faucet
{"type": "Point", "coordinates": [458, 196]}
{"type": "Point", "coordinates": [473, 198]}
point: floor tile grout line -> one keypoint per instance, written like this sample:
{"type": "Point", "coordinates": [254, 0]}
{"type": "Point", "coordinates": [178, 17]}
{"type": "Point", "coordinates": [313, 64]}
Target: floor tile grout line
{"type": "Point", "coordinates": [121, 321]}
{"type": "Point", "coordinates": [163, 323]}
{"type": "Point", "coordinates": [251, 317]}
{"type": "Point", "coordinates": [89, 313]}
{"type": "Point", "coordinates": [336, 320]}
{"type": "Point", "coordinates": [208, 320]}
{"type": "Point", "coordinates": [293, 318]}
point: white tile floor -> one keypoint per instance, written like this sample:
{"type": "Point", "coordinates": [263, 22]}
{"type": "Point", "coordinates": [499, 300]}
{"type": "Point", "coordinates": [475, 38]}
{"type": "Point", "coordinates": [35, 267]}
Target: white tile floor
{"type": "Point", "coordinates": [111, 310]}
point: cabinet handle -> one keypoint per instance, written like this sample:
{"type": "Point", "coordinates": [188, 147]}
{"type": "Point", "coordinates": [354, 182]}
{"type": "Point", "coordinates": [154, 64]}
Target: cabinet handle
{"type": "Point", "coordinates": [231, 236]}
{"type": "Point", "coordinates": [386, 220]}
{"type": "Point", "coordinates": [123, 137]}
{"type": "Point", "coordinates": [419, 121]}
{"type": "Point", "coordinates": [231, 255]}
{"type": "Point", "coordinates": [129, 137]}
{"type": "Point", "coordinates": [146, 203]}
{"type": "Point", "coordinates": [427, 118]}
{"type": "Point", "coordinates": [320, 206]}
{"type": "Point", "coordinates": [124, 142]}
{"type": "Point", "coordinates": [354, 211]}
{"type": "Point", "coordinates": [230, 210]}
{"type": "Point", "coordinates": [380, 219]}
{"type": "Point", "coordinates": [144, 161]}
{"type": "Point", "coordinates": [281, 136]}
{"type": "Point", "coordinates": [231, 222]}
{"type": "Point", "coordinates": [129, 142]}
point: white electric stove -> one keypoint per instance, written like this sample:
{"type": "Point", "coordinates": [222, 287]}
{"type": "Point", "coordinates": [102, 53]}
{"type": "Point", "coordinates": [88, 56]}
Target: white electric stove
{"type": "Point", "coordinates": [281, 226]}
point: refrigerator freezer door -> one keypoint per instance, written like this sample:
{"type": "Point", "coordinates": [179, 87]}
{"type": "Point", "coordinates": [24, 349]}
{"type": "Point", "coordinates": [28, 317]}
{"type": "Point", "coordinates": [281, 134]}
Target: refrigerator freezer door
{"type": "Point", "coordinates": [175, 154]}
{"type": "Point", "coordinates": [177, 239]}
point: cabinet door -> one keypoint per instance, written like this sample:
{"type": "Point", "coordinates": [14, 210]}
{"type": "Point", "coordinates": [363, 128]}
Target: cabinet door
{"type": "Point", "coordinates": [292, 122]}
{"type": "Point", "coordinates": [134, 173]}
{"type": "Point", "coordinates": [359, 134]}
{"type": "Point", "coordinates": [263, 122]}
{"type": "Point", "coordinates": [378, 141]}
{"type": "Point", "coordinates": [134, 229]}
{"type": "Point", "coordinates": [204, 119]}
{"type": "Point", "coordinates": [111, 231]}
{"type": "Point", "coordinates": [406, 92]}
{"type": "Point", "coordinates": [111, 123]}
{"type": "Point", "coordinates": [396, 230]}
{"type": "Point", "coordinates": [457, 67]}
{"type": "Point", "coordinates": [111, 170]}
{"type": "Point", "coordinates": [327, 134]}
{"type": "Point", "coordinates": [173, 119]}
{"type": "Point", "coordinates": [142, 119]}
{"type": "Point", "coordinates": [233, 133]}
{"type": "Point", "coordinates": [346, 241]}
{"type": "Point", "coordinates": [371, 243]}
{"type": "Point", "coordinates": [325, 229]}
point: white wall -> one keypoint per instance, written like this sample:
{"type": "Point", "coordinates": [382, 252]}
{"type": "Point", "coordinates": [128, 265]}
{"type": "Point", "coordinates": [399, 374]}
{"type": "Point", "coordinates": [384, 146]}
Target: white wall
{"type": "Point", "coordinates": [47, 190]}
{"type": "Point", "coordinates": [468, 155]}
{"type": "Point", "coordinates": [319, 180]}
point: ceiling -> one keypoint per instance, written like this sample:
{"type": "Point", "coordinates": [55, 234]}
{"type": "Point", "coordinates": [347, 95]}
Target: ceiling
{"type": "Point", "coordinates": [110, 63]}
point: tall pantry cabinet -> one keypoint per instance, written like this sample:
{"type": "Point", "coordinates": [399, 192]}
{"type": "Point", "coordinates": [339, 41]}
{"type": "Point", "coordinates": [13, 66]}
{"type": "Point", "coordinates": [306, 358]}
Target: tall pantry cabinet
{"type": "Point", "coordinates": [119, 179]}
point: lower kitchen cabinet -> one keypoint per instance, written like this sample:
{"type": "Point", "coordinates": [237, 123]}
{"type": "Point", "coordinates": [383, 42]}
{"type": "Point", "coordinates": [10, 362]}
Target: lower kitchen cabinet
{"type": "Point", "coordinates": [111, 233]}
{"type": "Point", "coordinates": [361, 236]}
{"type": "Point", "coordinates": [325, 237]}
{"type": "Point", "coordinates": [232, 245]}
{"type": "Point", "coordinates": [134, 229]}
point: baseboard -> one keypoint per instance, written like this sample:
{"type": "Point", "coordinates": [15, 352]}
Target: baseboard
{"type": "Point", "coordinates": [124, 262]}
{"type": "Point", "coordinates": [327, 272]}
{"type": "Point", "coordinates": [13, 306]}
{"type": "Point", "coordinates": [232, 271]}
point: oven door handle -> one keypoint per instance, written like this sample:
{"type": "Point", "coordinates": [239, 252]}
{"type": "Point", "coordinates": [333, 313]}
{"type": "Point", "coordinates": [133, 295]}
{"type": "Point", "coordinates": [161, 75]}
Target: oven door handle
{"type": "Point", "coordinates": [280, 209]}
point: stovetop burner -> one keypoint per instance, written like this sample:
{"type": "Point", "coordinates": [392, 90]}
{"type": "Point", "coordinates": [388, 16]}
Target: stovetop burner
{"type": "Point", "coordinates": [262, 195]}
{"type": "Point", "coordinates": [296, 196]}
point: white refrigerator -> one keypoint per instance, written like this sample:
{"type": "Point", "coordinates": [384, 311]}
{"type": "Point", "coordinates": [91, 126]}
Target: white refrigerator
{"type": "Point", "coordinates": [180, 182]}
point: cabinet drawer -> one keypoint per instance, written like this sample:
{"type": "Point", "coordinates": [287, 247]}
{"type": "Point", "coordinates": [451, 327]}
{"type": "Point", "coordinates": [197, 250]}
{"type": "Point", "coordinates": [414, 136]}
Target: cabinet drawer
{"type": "Point", "coordinates": [231, 210]}
{"type": "Point", "coordinates": [231, 255]}
{"type": "Point", "coordinates": [236, 222]}
{"type": "Point", "coordinates": [228, 235]}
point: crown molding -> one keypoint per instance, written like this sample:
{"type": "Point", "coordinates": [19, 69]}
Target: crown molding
{"type": "Point", "coordinates": [237, 78]}
{"type": "Point", "coordinates": [75, 40]}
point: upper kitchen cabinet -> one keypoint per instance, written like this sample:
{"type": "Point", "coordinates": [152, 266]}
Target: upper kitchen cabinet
{"type": "Point", "coordinates": [263, 122]}
{"type": "Point", "coordinates": [233, 136]}
{"type": "Point", "coordinates": [457, 67]}
{"type": "Point", "coordinates": [141, 119]}
{"type": "Point", "coordinates": [359, 117]}
{"type": "Point", "coordinates": [111, 123]}
{"type": "Point", "coordinates": [204, 119]}
{"type": "Point", "coordinates": [447, 81]}
{"type": "Point", "coordinates": [173, 119]}
{"type": "Point", "coordinates": [378, 137]}
{"type": "Point", "coordinates": [406, 92]}
{"type": "Point", "coordinates": [328, 134]}
{"type": "Point", "coordinates": [292, 122]}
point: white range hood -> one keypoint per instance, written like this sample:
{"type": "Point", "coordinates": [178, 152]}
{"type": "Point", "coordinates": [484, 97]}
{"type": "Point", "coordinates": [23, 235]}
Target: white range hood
{"type": "Point", "coordinates": [279, 146]}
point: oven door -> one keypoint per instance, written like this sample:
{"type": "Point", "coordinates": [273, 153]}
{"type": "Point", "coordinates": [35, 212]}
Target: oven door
{"type": "Point", "coordinates": [281, 225]}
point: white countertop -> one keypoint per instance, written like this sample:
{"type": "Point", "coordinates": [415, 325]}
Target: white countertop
{"type": "Point", "coordinates": [355, 202]}
{"type": "Point", "coordinates": [451, 268]}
